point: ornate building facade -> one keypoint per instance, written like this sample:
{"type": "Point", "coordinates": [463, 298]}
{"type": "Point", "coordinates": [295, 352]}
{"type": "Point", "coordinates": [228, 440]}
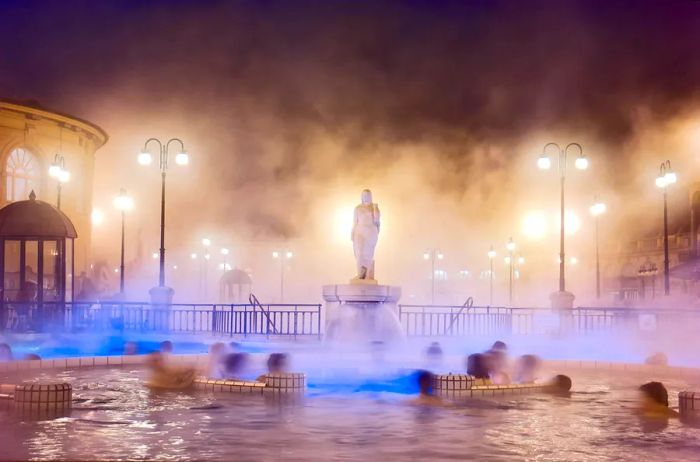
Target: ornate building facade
{"type": "Point", "coordinates": [32, 139]}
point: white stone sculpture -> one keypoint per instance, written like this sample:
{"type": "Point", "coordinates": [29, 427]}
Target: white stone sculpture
{"type": "Point", "coordinates": [365, 232]}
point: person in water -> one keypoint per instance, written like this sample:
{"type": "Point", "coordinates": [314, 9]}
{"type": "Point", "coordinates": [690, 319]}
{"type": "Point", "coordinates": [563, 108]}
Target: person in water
{"type": "Point", "coordinates": [426, 396]}
{"type": "Point", "coordinates": [234, 365]}
{"type": "Point", "coordinates": [560, 384]}
{"type": "Point", "coordinates": [496, 362]}
{"type": "Point", "coordinates": [477, 367]}
{"type": "Point", "coordinates": [215, 366]}
{"type": "Point", "coordinates": [5, 353]}
{"type": "Point", "coordinates": [654, 401]}
{"type": "Point", "coordinates": [166, 347]}
{"type": "Point", "coordinates": [168, 377]}
{"type": "Point", "coordinates": [526, 368]}
{"type": "Point", "coordinates": [276, 364]}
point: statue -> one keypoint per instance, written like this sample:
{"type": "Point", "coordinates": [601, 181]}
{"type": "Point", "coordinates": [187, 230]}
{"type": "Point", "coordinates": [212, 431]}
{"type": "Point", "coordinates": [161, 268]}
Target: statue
{"type": "Point", "coordinates": [365, 232]}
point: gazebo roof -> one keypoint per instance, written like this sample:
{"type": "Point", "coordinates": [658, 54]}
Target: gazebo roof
{"type": "Point", "coordinates": [34, 219]}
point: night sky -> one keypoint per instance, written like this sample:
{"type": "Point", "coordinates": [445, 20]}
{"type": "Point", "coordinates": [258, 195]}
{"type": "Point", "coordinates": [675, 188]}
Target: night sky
{"type": "Point", "coordinates": [260, 79]}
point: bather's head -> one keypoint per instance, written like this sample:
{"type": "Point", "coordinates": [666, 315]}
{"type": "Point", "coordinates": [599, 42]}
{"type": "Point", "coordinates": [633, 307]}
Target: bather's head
{"type": "Point", "coordinates": [166, 346]}
{"type": "Point", "coordinates": [499, 346]}
{"type": "Point", "coordinates": [425, 382]}
{"type": "Point", "coordinates": [366, 196]}
{"type": "Point", "coordinates": [234, 363]}
{"type": "Point", "coordinates": [5, 352]}
{"type": "Point", "coordinates": [277, 363]}
{"type": "Point", "coordinates": [655, 392]}
{"type": "Point", "coordinates": [477, 366]}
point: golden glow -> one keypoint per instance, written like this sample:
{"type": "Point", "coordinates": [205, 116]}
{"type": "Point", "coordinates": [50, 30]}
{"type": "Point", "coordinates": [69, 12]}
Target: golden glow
{"type": "Point", "coordinates": [145, 158]}
{"type": "Point", "coordinates": [123, 202]}
{"type": "Point", "coordinates": [598, 209]}
{"type": "Point", "coordinates": [534, 225]}
{"type": "Point", "coordinates": [492, 253]}
{"type": "Point", "coordinates": [182, 158]}
{"type": "Point", "coordinates": [572, 223]}
{"type": "Point", "coordinates": [342, 223]}
{"type": "Point", "coordinates": [97, 216]}
{"type": "Point", "coordinates": [544, 163]}
{"type": "Point", "coordinates": [581, 163]}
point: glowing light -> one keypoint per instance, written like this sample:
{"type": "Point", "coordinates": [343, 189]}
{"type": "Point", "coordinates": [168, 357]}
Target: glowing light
{"type": "Point", "coordinates": [507, 260]}
{"type": "Point", "coordinates": [521, 260]}
{"type": "Point", "coordinates": [534, 225]}
{"type": "Point", "coordinates": [145, 158]}
{"type": "Point", "coordinates": [193, 256]}
{"type": "Point", "coordinates": [426, 256]}
{"type": "Point", "coordinates": [116, 270]}
{"type": "Point", "coordinates": [581, 163]}
{"type": "Point", "coordinates": [123, 202]}
{"type": "Point", "coordinates": [440, 256]}
{"type": "Point", "coordinates": [224, 266]}
{"type": "Point", "coordinates": [660, 182]}
{"type": "Point", "coordinates": [155, 255]}
{"type": "Point", "coordinates": [343, 221]}
{"type": "Point", "coordinates": [207, 256]}
{"type": "Point", "coordinates": [670, 178]}
{"type": "Point", "coordinates": [54, 170]}
{"type": "Point", "coordinates": [510, 246]}
{"type": "Point", "coordinates": [182, 158]}
{"type": "Point", "coordinates": [289, 254]}
{"type": "Point", "coordinates": [224, 251]}
{"type": "Point", "coordinates": [275, 254]}
{"type": "Point", "coordinates": [64, 176]}
{"type": "Point", "coordinates": [573, 260]}
{"type": "Point", "coordinates": [572, 223]}
{"type": "Point", "coordinates": [544, 163]}
{"type": "Point", "coordinates": [598, 209]}
{"type": "Point", "coordinates": [174, 267]}
{"type": "Point", "coordinates": [491, 253]}
{"type": "Point", "coordinates": [206, 242]}
{"type": "Point", "coordinates": [97, 217]}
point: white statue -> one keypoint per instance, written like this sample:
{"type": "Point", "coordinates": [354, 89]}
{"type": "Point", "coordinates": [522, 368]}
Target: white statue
{"type": "Point", "coordinates": [365, 232]}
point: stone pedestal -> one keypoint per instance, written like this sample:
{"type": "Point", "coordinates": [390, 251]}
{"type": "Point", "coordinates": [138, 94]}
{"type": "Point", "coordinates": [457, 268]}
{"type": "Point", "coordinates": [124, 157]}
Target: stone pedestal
{"type": "Point", "coordinates": [562, 300]}
{"type": "Point", "coordinates": [161, 296]}
{"type": "Point", "coordinates": [362, 312]}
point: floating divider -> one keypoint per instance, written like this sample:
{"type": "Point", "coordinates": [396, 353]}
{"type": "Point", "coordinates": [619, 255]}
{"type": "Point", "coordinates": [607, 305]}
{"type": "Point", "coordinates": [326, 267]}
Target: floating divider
{"type": "Point", "coordinates": [37, 398]}
{"type": "Point", "coordinates": [229, 386]}
{"type": "Point", "coordinates": [465, 386]}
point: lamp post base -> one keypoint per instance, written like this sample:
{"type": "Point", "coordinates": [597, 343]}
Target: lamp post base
{"type": "Point", "coordinates": [562, 300]}
{"type": "Point", "coordinates": [161, 295]}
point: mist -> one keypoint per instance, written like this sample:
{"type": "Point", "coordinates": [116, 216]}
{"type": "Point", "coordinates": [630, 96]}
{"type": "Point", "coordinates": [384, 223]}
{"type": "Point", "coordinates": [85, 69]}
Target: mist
{"type": "Point", "coordinates": [289, 110]}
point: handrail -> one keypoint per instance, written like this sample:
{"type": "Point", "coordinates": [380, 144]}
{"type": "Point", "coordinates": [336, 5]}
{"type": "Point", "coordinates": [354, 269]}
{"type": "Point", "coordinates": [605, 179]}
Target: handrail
{"type": "Point", "coordinates": [255, 302]}
{"type": "Point", "coordinates": [468, 303]}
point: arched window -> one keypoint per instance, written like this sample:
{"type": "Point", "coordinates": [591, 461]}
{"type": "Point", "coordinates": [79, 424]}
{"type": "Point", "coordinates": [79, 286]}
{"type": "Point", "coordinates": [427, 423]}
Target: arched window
{"type": "Point", "coordinates": [21, 174]}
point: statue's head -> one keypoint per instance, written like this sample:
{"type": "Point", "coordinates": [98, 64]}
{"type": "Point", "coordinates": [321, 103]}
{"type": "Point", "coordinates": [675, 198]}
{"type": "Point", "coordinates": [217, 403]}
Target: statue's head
{"type": "Point", "coordinates": [366, 196]}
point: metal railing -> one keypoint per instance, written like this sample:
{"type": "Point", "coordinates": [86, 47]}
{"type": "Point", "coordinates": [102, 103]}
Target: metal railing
{"type": "Point", "coordinates": [225, 319]}
{"type": "Point", "coordinates": [467, 320]}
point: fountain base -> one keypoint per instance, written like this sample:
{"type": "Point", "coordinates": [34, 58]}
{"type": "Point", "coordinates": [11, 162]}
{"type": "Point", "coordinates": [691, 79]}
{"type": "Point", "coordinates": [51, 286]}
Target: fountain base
{"type": "Point", "coordinates": [361, 312]}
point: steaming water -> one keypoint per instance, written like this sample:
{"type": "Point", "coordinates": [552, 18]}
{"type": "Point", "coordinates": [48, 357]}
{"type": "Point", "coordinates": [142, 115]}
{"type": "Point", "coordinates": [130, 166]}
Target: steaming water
{"type": "Point", "coordinates": [365, 322]}
{"type": "Point", "coordinates": [115, 416]}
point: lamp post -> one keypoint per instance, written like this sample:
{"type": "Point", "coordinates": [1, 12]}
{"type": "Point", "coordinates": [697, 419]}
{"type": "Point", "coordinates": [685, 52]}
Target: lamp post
{"type": "Point", "coordinates": [597, 209]}
{"type": "Point", "coordinates": [204, 276]}
{"type": "Point", "coordinates": [282, 256]}
{"type": "Point", "coordinates": [492, 255]}
{"type": "Point", "coordinates": [123, 203]}
{"type": "Point", "coordinates": [58, 171]}
{"type": "Point", "coordinates": [666, 178]}
{"type": "Point", "coordinates": [562, 299]}
{"type": "Point", "coordinates": [510, 247]}
{"type": "Point", "coordinates": [224, 255]}
{"type": "Point", "coordinates": [145, 158]}
{"type": "Point", "coordinates": [432, 255]}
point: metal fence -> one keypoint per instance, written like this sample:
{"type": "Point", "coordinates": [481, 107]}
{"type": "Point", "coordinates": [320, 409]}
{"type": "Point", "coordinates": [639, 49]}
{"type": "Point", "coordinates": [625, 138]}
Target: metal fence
{"type": "Point", "coordinates": [449, 320]}
{"type": "Point", "coordinates": [245, 319]}
{"type": "Point", "coordinates": [306, 320]}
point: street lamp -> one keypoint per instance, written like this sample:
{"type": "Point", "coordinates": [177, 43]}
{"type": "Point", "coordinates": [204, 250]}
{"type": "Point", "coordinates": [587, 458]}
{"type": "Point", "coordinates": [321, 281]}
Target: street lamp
{"type": "Point", "coordinates": [123, 203]}
{"type": "Point", "coordinates": [492, 255]}
{"type": "Point", "coordinates": [510, 247]}
{"type": "Point", "coordinates": [432, 255]}
{"type": "Point", "coordinates": [58, 171]}
{"type": "Point", "coordinates": [597, 209]}
{"type": "Point", "coordinates": [224, 254]}
{"type": "Point", "coordinates": [666, 178]}
{"type": "Point", "coordinates": [145, 158]}
{"type": "Point", "coordinates": [203, 276]}
{"type": "Point", "coordinates": [545, 163]}
{"type": "Point", "coordinates": [282, 256]}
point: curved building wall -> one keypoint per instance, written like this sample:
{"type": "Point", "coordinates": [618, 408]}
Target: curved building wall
{"type": "Point", "coordinates": [30, 139]}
